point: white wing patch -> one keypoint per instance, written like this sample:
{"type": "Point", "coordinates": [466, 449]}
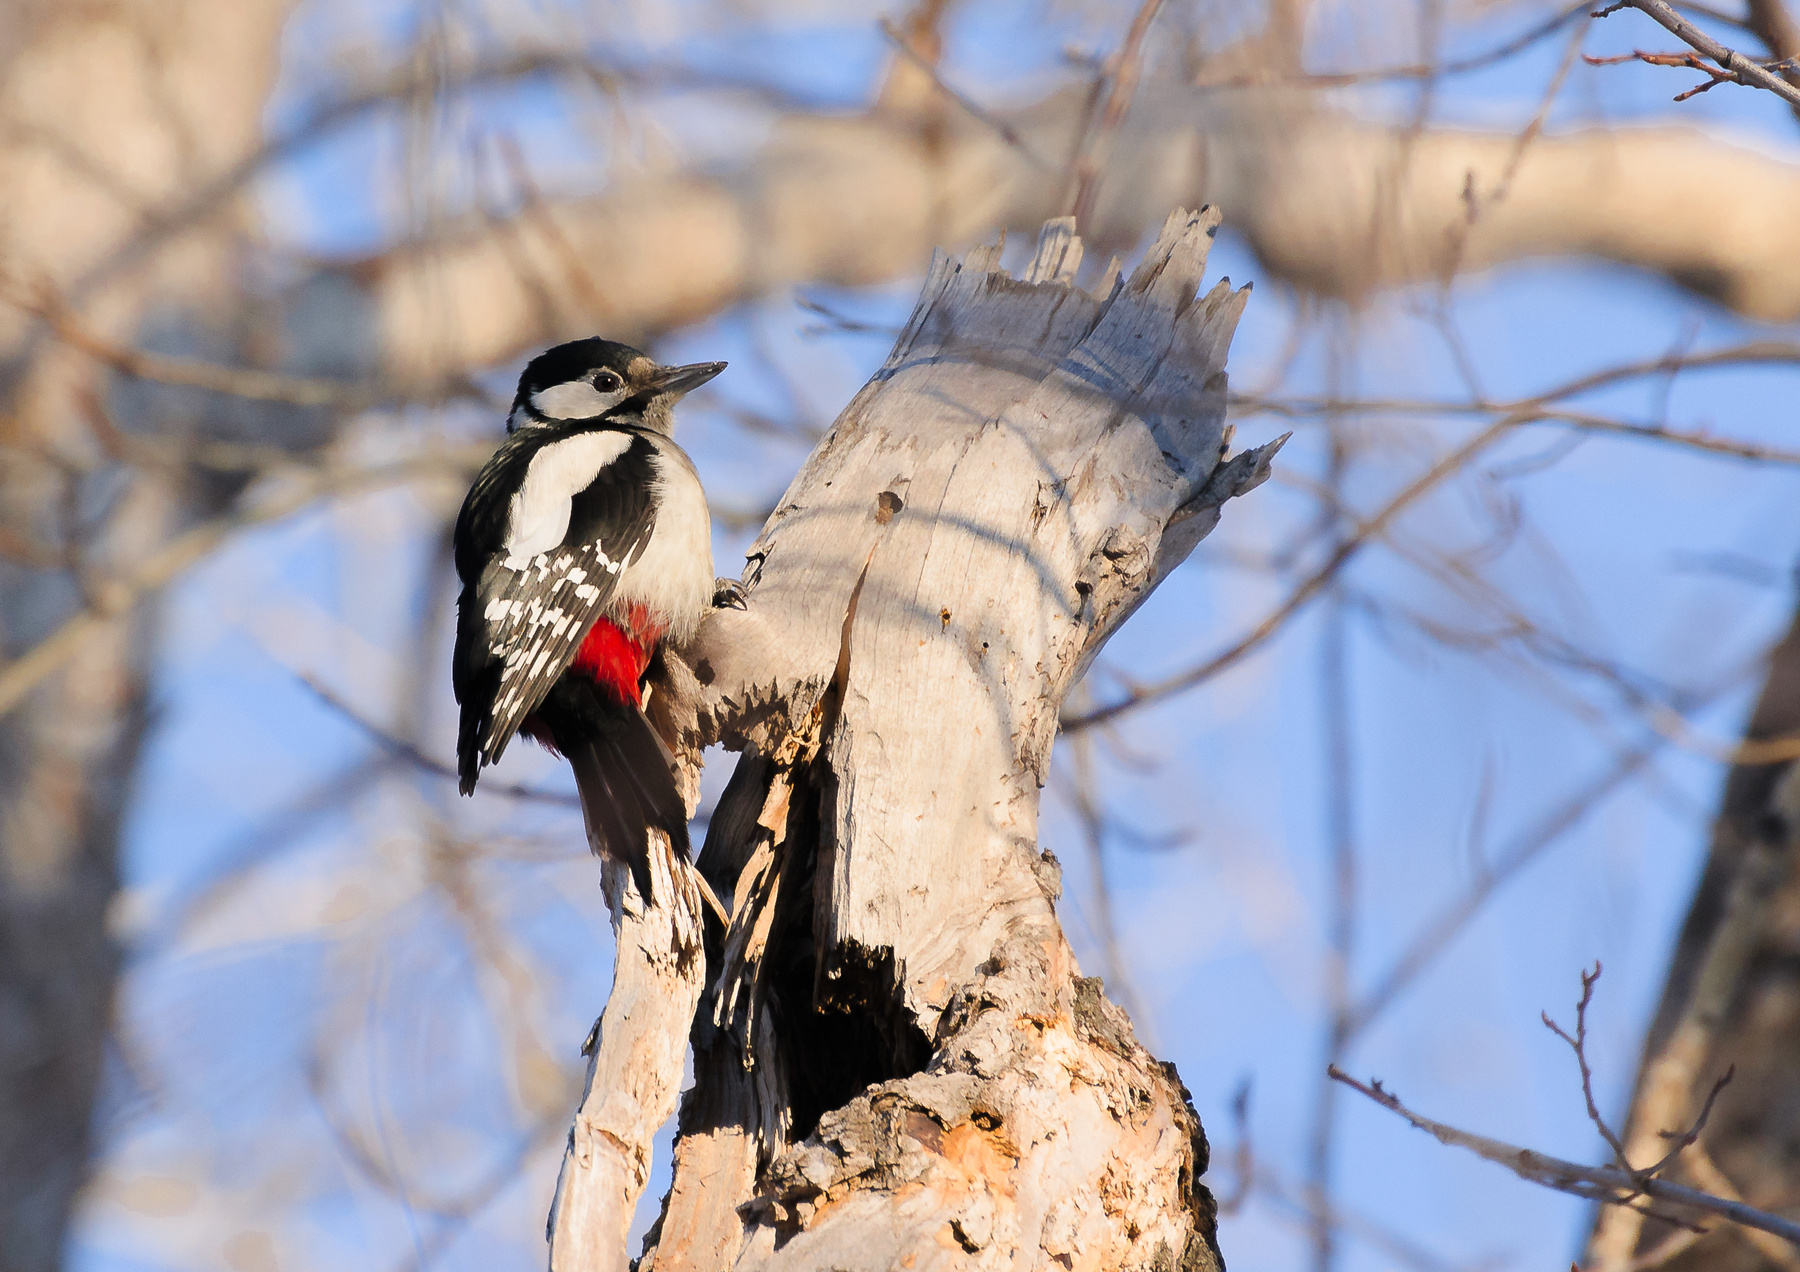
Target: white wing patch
{"type": "Point", "coordinates": [538, 517]}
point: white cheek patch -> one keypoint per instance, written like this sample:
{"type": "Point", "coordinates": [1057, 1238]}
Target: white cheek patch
{"type": "Point", "coordinates": [538, 517]}
{"type": "Point", "coordinates": [577, 400]}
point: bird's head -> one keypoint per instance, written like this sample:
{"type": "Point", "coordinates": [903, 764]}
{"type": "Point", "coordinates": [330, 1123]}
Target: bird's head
{"type": "Point", "coordinates": [594, 378]}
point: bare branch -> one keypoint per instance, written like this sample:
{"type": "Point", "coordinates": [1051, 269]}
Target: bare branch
{"type": "Point", "coordinates": [243, 382]}
{"type": "Point", "coordinates": [974, 109]}
{"type": "Point", "coordinates": [1737, 68]}
{"type": "Point", "coordinates": [116, 596]}
{"type": "Point", "coordinates": [1123, 74]}
{"type": "Point", "coordinates": [1364, 534]}
{"type": "Point", "coordinates": [1607, 1184]}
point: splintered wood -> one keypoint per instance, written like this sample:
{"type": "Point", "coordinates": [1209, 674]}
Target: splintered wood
{"type": "Point", "coordinates": [899, 1064]}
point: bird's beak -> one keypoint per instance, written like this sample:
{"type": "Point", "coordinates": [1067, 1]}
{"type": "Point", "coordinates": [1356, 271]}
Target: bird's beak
{"type": "Point", "coordinates": [680, 380]}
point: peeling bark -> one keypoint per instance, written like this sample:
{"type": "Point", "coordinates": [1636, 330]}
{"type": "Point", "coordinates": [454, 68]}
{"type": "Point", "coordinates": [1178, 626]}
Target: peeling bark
{"type": "Point", "coordinates": [1041, 1134]}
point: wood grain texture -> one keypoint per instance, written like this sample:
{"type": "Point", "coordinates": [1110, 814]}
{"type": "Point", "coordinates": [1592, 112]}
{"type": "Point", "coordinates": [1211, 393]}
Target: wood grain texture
{"type": "Point", "coordinates": [634, 1065]}
{"type": "Point", "coordinates": [899, 1063]}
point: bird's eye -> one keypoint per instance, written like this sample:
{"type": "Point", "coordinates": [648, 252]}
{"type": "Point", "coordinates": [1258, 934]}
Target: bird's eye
{"type": "Point", "coordinates": [606, 382]}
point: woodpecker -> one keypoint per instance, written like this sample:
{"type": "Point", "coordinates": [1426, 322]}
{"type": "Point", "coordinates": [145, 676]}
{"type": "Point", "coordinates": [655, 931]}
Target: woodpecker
{"type": "Point", "coordinates": [585, 543]}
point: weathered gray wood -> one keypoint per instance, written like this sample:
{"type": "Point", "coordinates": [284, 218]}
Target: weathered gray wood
{"type": "Point", "coordinates": [634, 1065]}
{"type": "Point", "coordinates": [1031, 460]}
{"type": "Point", "coordinates": [998, 493]}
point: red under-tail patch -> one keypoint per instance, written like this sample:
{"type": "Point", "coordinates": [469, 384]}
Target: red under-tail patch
{"type": "Point", "coordinates": [615, 657]}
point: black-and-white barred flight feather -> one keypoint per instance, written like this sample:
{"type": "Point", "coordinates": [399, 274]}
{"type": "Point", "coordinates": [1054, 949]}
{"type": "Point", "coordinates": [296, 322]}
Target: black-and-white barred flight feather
{"type": "Point", "coordinates": [529, 610]}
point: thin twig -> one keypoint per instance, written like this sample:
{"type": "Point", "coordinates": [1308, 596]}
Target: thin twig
{"type": "Point", "coordinates": [972, 108]}
{"type": "Point", "coordinates": [1736, 67]}
{"type": "Point", "coordinates": [1596, 1183]}
{"type": "Point", "coordinates": [1578, 1044]}
{"type": "Point", "coordinates": [1126, 67]}
{"type": "Point", "coordinates": [117, 596]}
{"type": "Point", "coordinates": [400, 748]}
{"type": "Point", "coordinates": [841, 322]}
{"type": "Point", "coordinates": [1296, 600]}
{"type": "Point", "coordinates": [1690, 60]}
{"type": "Point", "coordinates": [1411, 71]}
{"type": "Point", "coordinates": [242, 382]}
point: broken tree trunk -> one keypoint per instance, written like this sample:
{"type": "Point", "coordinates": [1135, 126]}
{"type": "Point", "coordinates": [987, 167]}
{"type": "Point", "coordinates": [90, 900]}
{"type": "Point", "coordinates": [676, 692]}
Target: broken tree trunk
{"type": "Point", "coordinates": [897, 1061]}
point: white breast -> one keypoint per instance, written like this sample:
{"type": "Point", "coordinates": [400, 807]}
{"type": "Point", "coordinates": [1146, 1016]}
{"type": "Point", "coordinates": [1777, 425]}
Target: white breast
{"type": "Point", "coordinates": [673, 575]}
{"type": "Point", "coordinates": [538, 517]}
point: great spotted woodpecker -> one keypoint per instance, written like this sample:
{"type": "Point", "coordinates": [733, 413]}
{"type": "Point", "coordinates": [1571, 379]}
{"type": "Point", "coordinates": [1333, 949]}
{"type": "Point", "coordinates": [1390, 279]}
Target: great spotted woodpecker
{"type": "Point", "coordinates": [584, 543]}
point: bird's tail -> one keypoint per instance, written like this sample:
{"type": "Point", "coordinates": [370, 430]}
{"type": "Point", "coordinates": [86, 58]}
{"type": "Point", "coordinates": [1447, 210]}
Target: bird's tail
{"type": "Point", "coordinates": [626, 778]}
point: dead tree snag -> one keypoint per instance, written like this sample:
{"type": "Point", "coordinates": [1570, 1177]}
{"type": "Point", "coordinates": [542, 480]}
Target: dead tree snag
{"type": "Point", "coordinates": [897, 1060]}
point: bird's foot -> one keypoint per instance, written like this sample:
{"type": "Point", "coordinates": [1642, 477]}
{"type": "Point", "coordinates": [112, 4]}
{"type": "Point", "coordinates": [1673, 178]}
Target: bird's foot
{"type": "Point", "coordinates": [729, 594]}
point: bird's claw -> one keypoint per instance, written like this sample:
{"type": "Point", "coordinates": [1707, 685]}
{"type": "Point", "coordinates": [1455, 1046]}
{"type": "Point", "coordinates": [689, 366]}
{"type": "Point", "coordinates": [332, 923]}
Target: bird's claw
{"type": "Point", "coordinates": [729, 594]}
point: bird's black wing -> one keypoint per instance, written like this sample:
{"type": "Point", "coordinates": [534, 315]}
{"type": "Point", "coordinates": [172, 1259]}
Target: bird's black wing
{"type": "Point", "coordinates": [520, 621]}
